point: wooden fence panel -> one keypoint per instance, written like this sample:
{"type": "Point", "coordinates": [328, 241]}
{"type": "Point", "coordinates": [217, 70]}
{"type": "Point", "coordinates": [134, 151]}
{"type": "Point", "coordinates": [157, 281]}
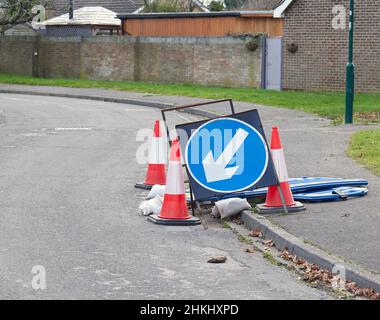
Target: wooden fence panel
{"type": "Point", "coordinates": [203, 26]}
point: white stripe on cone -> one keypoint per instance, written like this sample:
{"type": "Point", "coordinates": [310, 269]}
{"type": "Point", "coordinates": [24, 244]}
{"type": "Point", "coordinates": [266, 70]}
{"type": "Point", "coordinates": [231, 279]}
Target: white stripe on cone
{"type": "Point", "coordinates": [175, 181]}
{"type": "Point", "coordinates": [280, 165]}
{"type": "Point", "coordinates": [156, 152]}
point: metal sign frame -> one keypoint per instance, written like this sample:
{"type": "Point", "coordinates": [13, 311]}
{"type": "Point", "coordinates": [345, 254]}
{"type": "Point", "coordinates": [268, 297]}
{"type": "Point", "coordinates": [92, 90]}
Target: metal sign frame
{"type": "Point", "coordinates": [187, 106]}
{"type": "Point", "coordinates": [183, 107]}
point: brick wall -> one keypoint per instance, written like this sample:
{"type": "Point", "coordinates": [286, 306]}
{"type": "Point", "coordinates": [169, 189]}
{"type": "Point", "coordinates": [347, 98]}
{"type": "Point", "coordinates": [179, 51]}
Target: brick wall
{"type": "Point", "coordinates": [213, 61]}
{"type": "Point", "coordinates": [17, 54]}
{"type": "Point", "coordinates": [59, 58]}
{"type": "Point", "coordinates": [165, 60]}
{"type": "Point", "coordinates": [319, 63]}
{"type": "Point", "coordinates": [209, 61]}
{"type": "Point", "coordinates": [108, 58]}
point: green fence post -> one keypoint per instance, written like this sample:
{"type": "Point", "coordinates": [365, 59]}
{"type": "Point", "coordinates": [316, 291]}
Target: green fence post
{"type": "Point", "coordinates": [350, 75]}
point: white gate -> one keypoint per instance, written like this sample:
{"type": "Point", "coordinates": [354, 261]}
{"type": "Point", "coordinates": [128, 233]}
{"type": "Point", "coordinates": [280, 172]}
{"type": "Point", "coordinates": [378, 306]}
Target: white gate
{"type": "Point", "coordinates": [272, 75]}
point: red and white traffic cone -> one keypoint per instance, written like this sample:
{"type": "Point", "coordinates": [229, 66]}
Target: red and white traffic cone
{"type": "Point", "coordinates": [174, 209]}
{"type": "Point", "coordinates": [279, 196]}
{"type": "Point", "coordinates": [156, 173]}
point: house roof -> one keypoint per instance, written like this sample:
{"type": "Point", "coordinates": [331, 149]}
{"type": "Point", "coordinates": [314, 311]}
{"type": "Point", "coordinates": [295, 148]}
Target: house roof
{"type": "Point", "coordinates": [86, 16]}
{"type": "Point", "coordinates": [21, 30]}
{"type": "Point", "coordinates": [178, 15]}
{"type": "Point", "coordinates": [62, 6]}
{"type": "Point", "coordinates": [279, 11]}
{"type": "Point", "coordinates": [260, 4]}
{"type": "Point", "coordinates": [164, 15]}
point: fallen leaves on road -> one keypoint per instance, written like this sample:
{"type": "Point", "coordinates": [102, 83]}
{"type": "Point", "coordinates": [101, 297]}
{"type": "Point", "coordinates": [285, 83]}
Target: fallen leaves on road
{"type": "Point", "coordinates": [221, 259]}
{"type": "Point", "coordinates": [249, 250]}
{"type": "Point", "coordinates": [268, 243]}
{"type": "Point", "coordinates": [256, 233]}
{"type": "Point", "coordinates": [236, 219]}
{"type": "Point", "coordinates": [314, 274]}
{"type": "Point", "coordinates": [362, 292]}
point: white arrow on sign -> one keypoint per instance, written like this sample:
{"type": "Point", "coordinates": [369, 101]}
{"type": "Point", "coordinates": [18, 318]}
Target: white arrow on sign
{"type": "Point", "coordinates": [216, 170]}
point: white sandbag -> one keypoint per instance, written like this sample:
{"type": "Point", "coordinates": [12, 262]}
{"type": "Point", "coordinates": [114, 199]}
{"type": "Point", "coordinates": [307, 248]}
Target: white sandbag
{"type": "Point", "coordinates": [215, 212]}
{"type": "Point", "coordinates": [157, 189]}
{"type": "Point", "coordinates": [152, 206]}
{"type": "Point", "coordinates": [231, 207]}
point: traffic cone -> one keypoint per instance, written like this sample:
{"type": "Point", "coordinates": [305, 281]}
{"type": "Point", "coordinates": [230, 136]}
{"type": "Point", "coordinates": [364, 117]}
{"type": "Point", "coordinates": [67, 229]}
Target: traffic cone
{"type": "Point", "coordinates": [274, 203]}
{"type": "Point", "coordinates": [174, 208]}
{"type": "Point", "coordinates": [156, 173]}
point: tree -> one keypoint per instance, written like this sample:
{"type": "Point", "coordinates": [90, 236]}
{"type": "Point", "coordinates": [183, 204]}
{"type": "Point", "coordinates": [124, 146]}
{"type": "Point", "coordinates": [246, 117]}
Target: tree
{"type": "Point", "coordinates": [15, 12]}
{"type": "Point", "coordinates": [168, 6]}
{"type": "Point", "coordinates": [234, 4]}
{"type": "Point", "coordinates": [216, 6]}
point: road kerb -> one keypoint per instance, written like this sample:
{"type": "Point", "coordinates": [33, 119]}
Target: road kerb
{"type": "Point", "coordinates": [295, 246]}
{"type": "Point", "coordinates": [145, 103]}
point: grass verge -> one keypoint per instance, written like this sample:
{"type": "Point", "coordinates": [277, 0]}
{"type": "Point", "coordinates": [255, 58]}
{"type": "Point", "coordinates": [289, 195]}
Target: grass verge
{"type": "Point", "coordinates": [365, 148]}
{"type": "Point", "coordinates": [326, 104]}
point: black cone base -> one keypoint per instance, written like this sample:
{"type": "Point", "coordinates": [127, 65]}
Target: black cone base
{"type": "Point", "coordinates": [143, 186]}
{"type": "Point", "coordinates": [173, 222]}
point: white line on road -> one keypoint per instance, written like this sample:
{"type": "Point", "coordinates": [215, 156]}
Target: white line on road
{"type": "Point", "coordinates": [41, 102]}
{"type": "Point", "coordinates": [139, 110]}
{"type": "Point", "coordinates": [183, 117]}
{"type": "Point", "coordinates": [73, 129]}
{"type": "Point", "coordinates": [67, 107]}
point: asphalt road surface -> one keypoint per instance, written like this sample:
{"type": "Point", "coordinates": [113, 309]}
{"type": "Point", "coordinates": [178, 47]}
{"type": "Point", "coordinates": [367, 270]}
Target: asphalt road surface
{"type": "Point", "coordinates": [67, 203]}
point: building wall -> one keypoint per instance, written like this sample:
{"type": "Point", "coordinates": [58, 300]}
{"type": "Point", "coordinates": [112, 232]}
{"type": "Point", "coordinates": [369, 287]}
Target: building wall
{"type": "Point", "coordinates": [319, 63]}
{"type": "Point", "coordinates": [212, 61]}
{"type": "Point", "coordinates": [75, 31]}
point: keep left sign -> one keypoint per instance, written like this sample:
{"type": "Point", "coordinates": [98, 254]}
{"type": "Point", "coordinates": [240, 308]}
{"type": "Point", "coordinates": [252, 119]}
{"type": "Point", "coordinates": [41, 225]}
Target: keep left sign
{"type": "Point", "coordinates": [226, 155]}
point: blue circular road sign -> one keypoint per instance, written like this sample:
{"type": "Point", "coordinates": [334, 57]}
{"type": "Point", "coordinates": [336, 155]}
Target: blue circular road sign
{"type": "Point", "coordinates": [226, 155]}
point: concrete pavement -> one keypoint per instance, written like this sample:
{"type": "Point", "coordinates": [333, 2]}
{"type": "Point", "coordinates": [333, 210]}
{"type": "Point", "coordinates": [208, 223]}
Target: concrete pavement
{"type": "Point", "coordinates": [68, 203]}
